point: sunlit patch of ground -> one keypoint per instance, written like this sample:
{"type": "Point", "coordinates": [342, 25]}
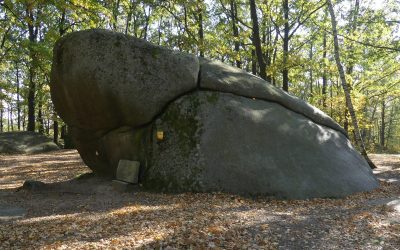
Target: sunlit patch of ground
{"type": "Point", "coordinates": [89, 214]}
{"type": "Point", "coordinates": [389, 167]}
{"type": "Point", "coordinates": [47, 167]}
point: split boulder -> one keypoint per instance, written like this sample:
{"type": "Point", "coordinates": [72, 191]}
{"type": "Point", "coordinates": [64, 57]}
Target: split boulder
{"type": "Point", "coordinates": [222, 128]}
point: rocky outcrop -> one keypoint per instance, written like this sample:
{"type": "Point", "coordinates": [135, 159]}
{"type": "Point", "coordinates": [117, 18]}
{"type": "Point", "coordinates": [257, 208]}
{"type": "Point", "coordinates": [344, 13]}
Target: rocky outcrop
{"type": "Point", "coordinates": [223, 142]}
{"type": "Point", "coordinates": [116, 80]}
{"type": "Point", "coordinates": [25, 143]}
{"type": "Point", "coordinates": [222, 128]}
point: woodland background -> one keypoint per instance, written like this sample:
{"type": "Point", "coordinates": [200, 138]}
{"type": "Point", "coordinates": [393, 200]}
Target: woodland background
{"type": "Point", "coordinates": [289, 43]}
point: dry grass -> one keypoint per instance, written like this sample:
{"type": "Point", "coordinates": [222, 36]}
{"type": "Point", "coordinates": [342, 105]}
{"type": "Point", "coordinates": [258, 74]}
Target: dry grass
{"type": "Point", "coordinates": [89, 214]}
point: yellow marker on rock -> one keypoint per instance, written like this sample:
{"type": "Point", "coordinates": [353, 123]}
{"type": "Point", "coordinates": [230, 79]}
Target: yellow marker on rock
{"type": "Point", "coordinates": [160, 135]}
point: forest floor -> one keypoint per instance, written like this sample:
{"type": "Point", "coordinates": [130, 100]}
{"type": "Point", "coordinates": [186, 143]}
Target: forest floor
{"type": "Point", "coordinates": [87, 213]}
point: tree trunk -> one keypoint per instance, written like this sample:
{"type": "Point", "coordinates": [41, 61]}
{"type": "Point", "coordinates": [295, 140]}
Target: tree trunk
{"type": "Point", "coordinates": [331, 97]}
{"type": "Point", "coordinates": [47, 127]}
{"type": "Point", "coordinates": [31, 100]}
{"type": "Point", "coordinates": [55, 129]}
{"type": "Point", "coordinates": [33, 33]}
{"type": "Point", "coordinates": [256, 40]}
{"type": "Point", "coordinates": [389, 127]}
{"type": "Point", "coordinates": [1, 117]}
{"type": "Point", "coordinates": [345, 115]}
{"type": "Point", "coordinates": [159, 31]}
{"type": "Point", "coordinates": [383, 124]}
{"type": "Point", "coordinates": [353, 25]}
{"type": "Point", "coordinates": [349, 103]}
{"type": "Point", "coordinates": [311, 55]}
{"type": "Point", "coordinates": [349, 69]}
{"type": "Point", "coordinates": [146, 26]}
{"type": "Point", "coordinates": [324, 77]}
{"type": "Point", "coordinates": [285, 71]}
{"type": "Point", "coordinates": [253, 62]}
{"type": "Point", "coordinates": [115, 12]}
{"type": "Point", "coordinates": [18, 98]}
{"type": "Point", "coordinates": [129, 17]}
{"type": "Point", "coordinates": [10, 119]}
{"type": "Point", "coordinates": [371, 121]}
{"type": "Point", "coordinates": [40, 118]}
{"type": "Point", "coordinates": [24, 127]}
{"type": "Point", "coordinates": [273, 79]}
{"type": "Point", "coordinates": [235, 33]}
{"type": "Point", "coordinates": [201, 30]}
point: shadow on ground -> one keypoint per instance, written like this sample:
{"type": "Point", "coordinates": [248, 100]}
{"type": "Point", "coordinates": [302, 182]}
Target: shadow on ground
{"type": "Point", "coordinates": [88, 212]}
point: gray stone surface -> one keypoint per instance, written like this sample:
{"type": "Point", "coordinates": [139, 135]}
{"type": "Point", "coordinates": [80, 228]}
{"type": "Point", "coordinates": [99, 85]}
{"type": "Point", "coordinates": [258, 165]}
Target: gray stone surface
{"type": "Point", "coordinates": [25, 142]}
{"type": "Point", "coordinates": [102, 79]}
{"type": "Point", "coordinates": [223, 129]}
{"type": "Point", "coordinates": [222, 142]}
{"type": "Point", "coordinates": [221, 77]}
{"type": "Point", "coordinates": [11, 213]}
{"type": "Point", "coordinates": [128, 171]}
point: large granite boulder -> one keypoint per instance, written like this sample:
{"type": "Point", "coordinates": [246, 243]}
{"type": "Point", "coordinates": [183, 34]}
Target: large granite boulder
{"type": "Point", "coordinates": [222, 128]}
{"type": "Point", "coordinates": [116, 79]}
{"type": "Point", "coordinates": [221, 141]}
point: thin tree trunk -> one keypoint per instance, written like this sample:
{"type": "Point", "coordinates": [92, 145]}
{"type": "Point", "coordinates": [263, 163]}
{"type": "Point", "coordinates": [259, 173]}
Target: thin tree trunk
{"type": "Point", "coordinates": [115, 15]}
{"type": "Point", "coordinates": [201, 30]}
{"type": "Point", "coordinates": [346, 120]}
{"type": "Point", "coordinates": [353, 25]}
{"type": "Point", "coordinates": [331, 97]}
{"type": "Point", "coordinates": [273, 79]}
{"type": "Point", "coordinates": [389, 127]}
{"type": "Point", "coordinates": [129, 17]}
{"type": "Point", "coordinates": [349, 103]}
{"type": "Point", "coordinates": [349, 69]}
{"type": "Point", "coordinates": [10, 118]}
{"type": "Point", "coordinates": [146, 26]}
{"type": "Point", "coordinates": [371, 121]}
{"type": "Point", "coordinates": [324, 77]}
{"type": "Point", "coordinates": [40, 118]}
{"type": "Point", "coordinates": [253, 62]}
{"type": "Point", "coordinates": [383, 124]}
{"type": "Point", "coordinates": [159, 31]}
{"type": "Point", "coordinates": [256, 40]}
{"type": "Point", "coordinates": [311, 69]}
{"type": "Point", "coordinates": [24, 127]}
{"type": "Point", "coordinates": [235, 33]}
{"type": "Point", "coordinates": [1, 117]}
{"type": "Point", "coordinates": [285, 70]}
{"type": "Point", "coordinates": [55, 128]}
{"type": "Point", "coordinates": [18, 98]}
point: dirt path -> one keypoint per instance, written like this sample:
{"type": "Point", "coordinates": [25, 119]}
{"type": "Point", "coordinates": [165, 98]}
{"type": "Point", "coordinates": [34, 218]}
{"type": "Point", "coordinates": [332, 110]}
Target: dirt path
{"type": "Point", "coordinates": [88, 213]}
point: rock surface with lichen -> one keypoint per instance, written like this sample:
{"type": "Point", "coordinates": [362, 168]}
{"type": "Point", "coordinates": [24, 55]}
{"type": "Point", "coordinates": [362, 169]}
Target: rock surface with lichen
{"type": "Point", "coordinates": [222, 128]}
